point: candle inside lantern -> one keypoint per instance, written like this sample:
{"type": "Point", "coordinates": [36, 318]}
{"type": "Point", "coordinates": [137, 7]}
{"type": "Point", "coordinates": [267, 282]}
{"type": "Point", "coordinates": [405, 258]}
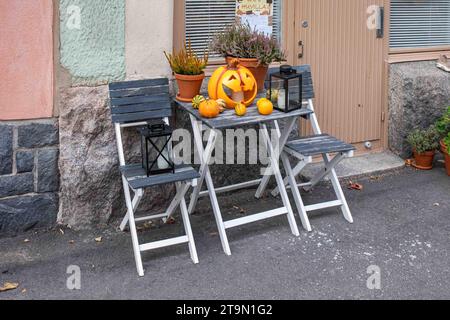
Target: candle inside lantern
{"type": "Point", "coordinates": [162, 163]}
{"type": "Point", "coordinates": [282, 99]}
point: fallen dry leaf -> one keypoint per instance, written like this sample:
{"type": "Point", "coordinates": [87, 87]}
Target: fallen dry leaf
{"type": "Point", "coordinates": [9, 286]}
{"type": "Point", "coordinates": [409, 162]}
{"type": "Point", "coordinates": [24, 291]}
{"type": "Point", "coordinates": [355, 186]}
{"type": "Point", "coordinates": [171, 221]}
{"type": "Point", "coordinates": [26, 240]}
{"type": "Point", "coordinates": [71, 241]}
{"type": "Point", "coordinates": [99, 239]}
{"type": "Point", "coordinates": [62, 231]}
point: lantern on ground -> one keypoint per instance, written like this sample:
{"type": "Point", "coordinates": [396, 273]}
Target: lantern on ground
{"type": "Point", "coordinates": [285, 89]}
{"type": "Point", "coordinates": [156, 143]}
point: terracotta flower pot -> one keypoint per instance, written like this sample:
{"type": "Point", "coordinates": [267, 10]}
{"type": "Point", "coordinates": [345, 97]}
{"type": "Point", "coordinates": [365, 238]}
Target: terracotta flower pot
{"type": "Point", "coordinates": [424, 161]}
{"type": "Point", "coordinates": [228, 59]}
{"type": "Point", "coordinates": [259, 71]}
{"type": "Point", "coordinates": [188, 86]}
{"type": "Point", "coordinates": [447, 157]}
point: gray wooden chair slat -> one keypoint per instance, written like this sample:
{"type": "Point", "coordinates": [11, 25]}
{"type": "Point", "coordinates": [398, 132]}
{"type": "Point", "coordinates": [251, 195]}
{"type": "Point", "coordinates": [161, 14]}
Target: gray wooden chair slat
{"type": "Point", "coordinates": [308, 88]}
{"type": "Point", "coordinates": [137, 179]}
{"type": "Point", "coordinates": [155, 98]}
{"type": "Point", "coordinates": [141, 116]}
{"type": "Point", "coordinates": [141, 107]}
{"type": "Point", "coordinates": [319, 144]}
{"type": "Point", "coordinates": [134, 92]}
{"type": "Point", "coordinates": [138, 84]}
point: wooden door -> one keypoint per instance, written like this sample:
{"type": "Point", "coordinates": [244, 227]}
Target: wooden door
{"type": "Point", "coordinates": [347, 64]}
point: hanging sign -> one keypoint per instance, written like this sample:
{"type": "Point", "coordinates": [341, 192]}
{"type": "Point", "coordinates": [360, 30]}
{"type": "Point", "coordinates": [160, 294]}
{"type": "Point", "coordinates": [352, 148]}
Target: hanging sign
{"type": "Point", "coordinates": [257, 13]}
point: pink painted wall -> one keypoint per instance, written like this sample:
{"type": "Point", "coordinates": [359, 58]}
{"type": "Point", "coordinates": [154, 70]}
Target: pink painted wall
{"type": "Point", "coordinates": [26, 59]}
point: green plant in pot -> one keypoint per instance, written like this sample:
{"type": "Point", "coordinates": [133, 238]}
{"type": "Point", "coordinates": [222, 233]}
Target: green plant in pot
{"type": "Point", "coordinates": [254, 50]}
{"type": "Point", "coordinates": [189, 71]}
{"type": "Point", "coordinates": [424, 144]}
{"type": "Point", "coordinates": [443, 128]}
{"type": "Point", "coordinates": [445, 147]}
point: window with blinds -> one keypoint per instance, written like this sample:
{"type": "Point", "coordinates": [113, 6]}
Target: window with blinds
{"type": "Point", "coordinates": [204, 18]}
{"type": "Point", "coordinates": [420, 23]}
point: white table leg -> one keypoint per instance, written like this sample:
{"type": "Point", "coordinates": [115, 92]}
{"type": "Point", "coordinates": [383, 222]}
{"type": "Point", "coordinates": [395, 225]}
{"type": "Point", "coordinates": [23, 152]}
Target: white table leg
{"type": "Point", "coordinates": [274, 160]}
{"type": "Point", "coordinates": [296, 193]}
{"type": "Point", "coordinates": [283, 138]}
{"type": "Point", "coordinates": [205, 156]}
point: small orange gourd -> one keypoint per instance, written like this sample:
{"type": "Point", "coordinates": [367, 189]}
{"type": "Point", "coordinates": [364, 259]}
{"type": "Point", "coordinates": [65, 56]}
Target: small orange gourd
{"type": "Point", "coordinates": [265, 107]}
{"type": "Point", "coordinates": [209, 109]}
{"type": "Point", "coordinates": [241, 109]}
{"type": "Point", "coordinates": [233, 84]}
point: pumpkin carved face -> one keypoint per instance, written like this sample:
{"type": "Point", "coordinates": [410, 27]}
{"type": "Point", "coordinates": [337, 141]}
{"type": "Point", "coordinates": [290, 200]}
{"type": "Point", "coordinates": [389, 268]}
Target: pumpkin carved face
{"type": "Point", "coordinates": [234, 84]}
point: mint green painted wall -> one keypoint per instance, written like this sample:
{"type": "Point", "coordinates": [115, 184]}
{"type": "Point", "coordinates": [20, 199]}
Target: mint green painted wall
{"type": "Point", "coordinates": [93, 42]}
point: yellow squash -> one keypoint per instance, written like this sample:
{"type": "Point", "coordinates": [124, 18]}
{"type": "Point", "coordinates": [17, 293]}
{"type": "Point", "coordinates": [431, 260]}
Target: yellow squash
{"type": "Point", "coordinates": [241, 109]}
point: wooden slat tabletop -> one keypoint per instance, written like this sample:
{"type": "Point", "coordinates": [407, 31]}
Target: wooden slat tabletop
{"type": "Point", "coordinates": [229, 119]}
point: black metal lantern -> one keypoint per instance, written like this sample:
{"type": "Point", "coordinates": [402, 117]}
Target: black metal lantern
{"type": "Point", "coordinates": [156, 143]}
{"type": "Point", "coordinates": [285, 89]}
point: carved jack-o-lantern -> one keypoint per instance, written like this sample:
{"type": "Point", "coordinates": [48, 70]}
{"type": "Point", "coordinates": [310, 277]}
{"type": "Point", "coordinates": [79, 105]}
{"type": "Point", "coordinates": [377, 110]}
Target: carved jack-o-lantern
{"type": "Point", "coordinates": [234, 84]}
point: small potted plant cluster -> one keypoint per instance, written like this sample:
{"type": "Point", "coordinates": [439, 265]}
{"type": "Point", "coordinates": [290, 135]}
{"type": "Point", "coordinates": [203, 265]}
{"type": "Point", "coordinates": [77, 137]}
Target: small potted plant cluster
{"type": "Point", "coordinates": [189, 71]}
{"type": "Point", "coordinates": [443, 129]}
{"type": "Point", "coordinates": [424, 142]}
{"type": "Point", "coordinates": [254, 50]}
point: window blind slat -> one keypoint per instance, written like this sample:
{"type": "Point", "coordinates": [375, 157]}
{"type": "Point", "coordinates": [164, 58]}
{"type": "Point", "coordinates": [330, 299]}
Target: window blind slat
{"type": "Point", "coordinates": [419, 23]}
{"type": "Point", "coordinates": [204, 18]}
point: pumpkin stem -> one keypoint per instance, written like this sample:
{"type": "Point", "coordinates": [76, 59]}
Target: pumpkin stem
{"type": "Point", "coordinates": [233, 64]}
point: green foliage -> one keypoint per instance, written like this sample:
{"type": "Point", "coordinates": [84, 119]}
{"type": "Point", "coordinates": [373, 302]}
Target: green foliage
{"type": "Point", "coordinates": [443, 124]}
{"type": "Point", "coordinates": [186, 62]}
{"type": "Point", "coordinates": [424, 140]}
{"type": "Point", "coordinates": [447, 142]}
{"type": "Point", "coordinates": [241, 41]}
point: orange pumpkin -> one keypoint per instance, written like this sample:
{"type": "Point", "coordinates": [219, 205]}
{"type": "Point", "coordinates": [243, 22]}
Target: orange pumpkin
{"type": "Point", "coordinates": [265, 107]}
{"type": "Point", "coordinates": [233, 84]}
{"type": "Point", "coordinates": [209, 109]}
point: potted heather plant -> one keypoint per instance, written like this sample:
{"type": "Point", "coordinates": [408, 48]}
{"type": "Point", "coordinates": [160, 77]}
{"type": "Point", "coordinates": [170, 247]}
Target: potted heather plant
{"type": "Point", "coordinates": [254, 50]}
{"type": "Point", "coordinates": [189, 71]}
{"type": "Point", "coordinates": [443, 128]}
{"type": "Point", "coordinates": [424, 144]}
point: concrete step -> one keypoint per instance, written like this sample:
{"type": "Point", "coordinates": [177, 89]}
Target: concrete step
{"type": "Point", "coordinates": [361, 166]}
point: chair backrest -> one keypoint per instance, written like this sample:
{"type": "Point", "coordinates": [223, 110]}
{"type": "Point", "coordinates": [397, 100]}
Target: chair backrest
{"type": "Point", "coordinates": [139, 101]}
{"type": "Point", "coordinates": [308, 87]}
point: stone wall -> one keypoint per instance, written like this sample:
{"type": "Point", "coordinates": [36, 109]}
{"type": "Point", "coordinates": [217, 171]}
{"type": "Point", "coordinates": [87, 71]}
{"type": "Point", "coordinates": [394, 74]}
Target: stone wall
{"type": "Point", "coordinates": [419, 94]}
{"type": "Point", "coordinates": [29, 177]}
{"type": "Point", "coordinates": [91, 187]}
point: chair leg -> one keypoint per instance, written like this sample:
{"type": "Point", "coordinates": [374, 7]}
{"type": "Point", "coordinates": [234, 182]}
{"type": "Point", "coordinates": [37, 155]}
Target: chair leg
{"type": "Point", "coordinates": [133, 230]}
{"type": "Point", "coordinates": [296, 171]}
{"type": "Point", "coordinates": [341, 196]}
{"type": "Point", "coordinates": [296, 193]}
{"type": "Point", "coordinates": [188, 229]}
{"type": "Point", "coordinates": [136, 200]}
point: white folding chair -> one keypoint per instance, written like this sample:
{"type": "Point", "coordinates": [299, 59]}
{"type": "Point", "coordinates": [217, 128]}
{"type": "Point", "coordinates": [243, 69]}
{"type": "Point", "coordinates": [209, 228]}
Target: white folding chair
{"type": "Point", "coordinates": [332, 150]}
{"type": "Point", "coordinates": [134, 104]}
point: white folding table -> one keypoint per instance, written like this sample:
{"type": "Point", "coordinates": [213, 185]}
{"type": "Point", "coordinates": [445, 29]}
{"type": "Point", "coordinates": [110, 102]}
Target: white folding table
{"type": "Point", "coordinates": [228, 120]}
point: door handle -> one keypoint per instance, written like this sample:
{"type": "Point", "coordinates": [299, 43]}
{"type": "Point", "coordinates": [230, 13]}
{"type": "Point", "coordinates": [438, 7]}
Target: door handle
{"type": "Point", "coordinates": [380, 23]}
{"type": "Point", "coordinates": [302, 49]}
